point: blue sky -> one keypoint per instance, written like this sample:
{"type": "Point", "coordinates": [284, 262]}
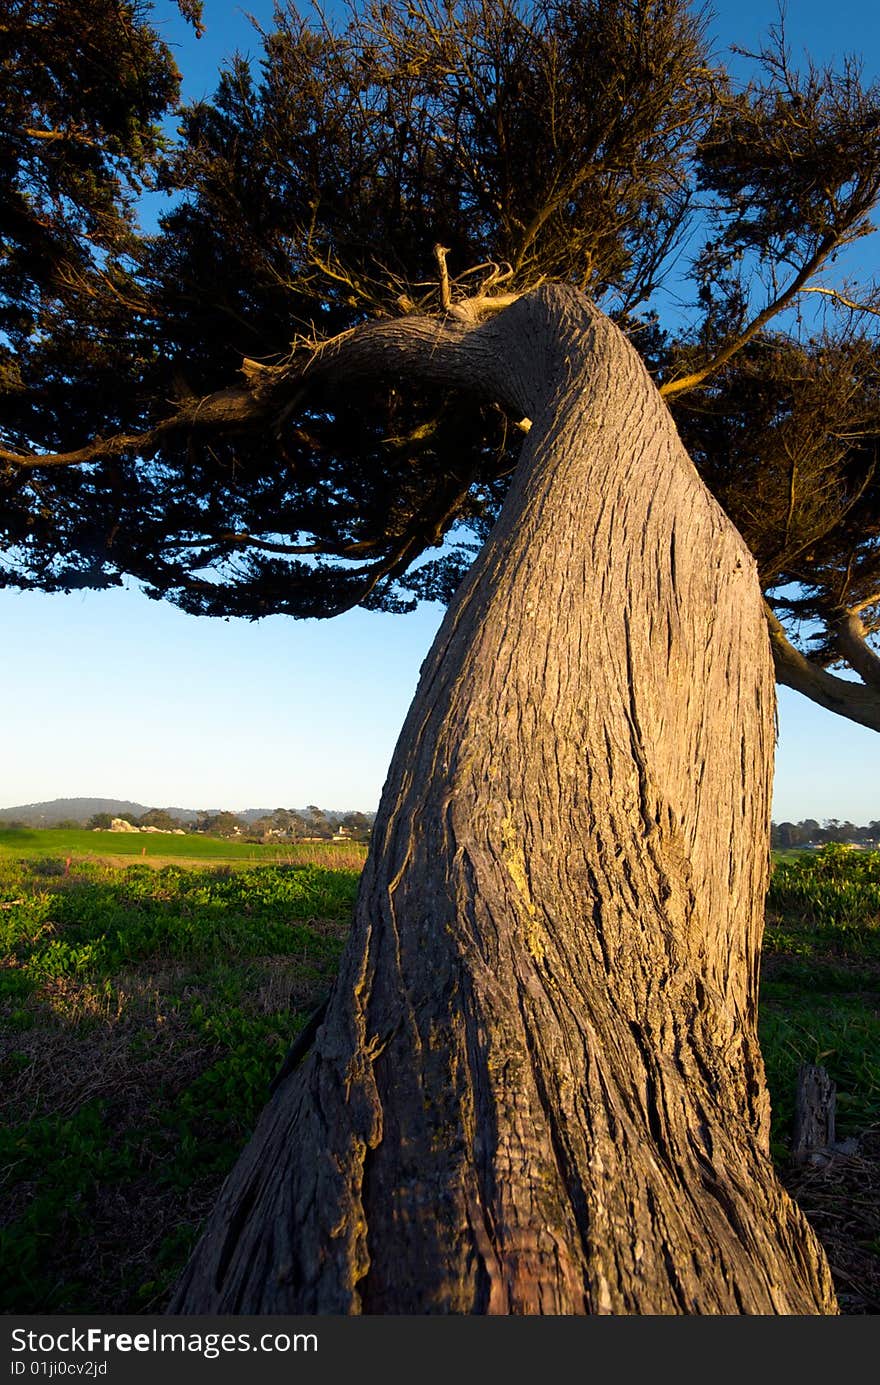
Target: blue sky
{"type": "Point", "coordinates": [109, 694]}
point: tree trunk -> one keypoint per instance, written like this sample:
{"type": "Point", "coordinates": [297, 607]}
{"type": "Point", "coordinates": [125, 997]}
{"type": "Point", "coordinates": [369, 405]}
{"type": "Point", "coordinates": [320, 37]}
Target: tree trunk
{"type": "Point", "coordinates": [538, 1087]}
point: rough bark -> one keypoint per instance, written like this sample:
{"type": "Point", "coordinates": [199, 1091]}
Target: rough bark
{"type": "Point", "coordinates": [538, 1087]}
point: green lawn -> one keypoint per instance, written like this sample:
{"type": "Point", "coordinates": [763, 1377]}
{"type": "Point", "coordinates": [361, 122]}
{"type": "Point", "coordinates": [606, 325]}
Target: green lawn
{"type": "Point", "coordinates": [31, 843]}
{"type": "Point", "coordinates": [144, 1010]}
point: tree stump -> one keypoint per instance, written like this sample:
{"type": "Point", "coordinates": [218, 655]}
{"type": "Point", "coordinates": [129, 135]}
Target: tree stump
{"type": "Point", "coordinates": [813, 1134]}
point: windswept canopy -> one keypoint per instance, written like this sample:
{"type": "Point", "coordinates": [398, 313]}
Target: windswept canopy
{"type": "Point", "coordinates": [171, 409]}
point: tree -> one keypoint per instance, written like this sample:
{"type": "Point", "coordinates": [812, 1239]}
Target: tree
{"type": "Point", "coordinates": [223, 824]}
{"type": "Point", "coordinates": [317, 823]}
{"type": "Point", "coordinates": [158, 817]}
{"type": "Point", "coordinates": [263, 827]}
{"type": "Point", "coordinates": [783, 834]}
{"type": "Point", "coordinates": [102, 821]}
{"type": "Point", "coordinates": [538, 1077]}
{"type": "Point", "coordinates": [289, 823]}
{"type": "Point", "coordinates": [85, 85]}
{"type": "Point", "coordinates": [357, 826]}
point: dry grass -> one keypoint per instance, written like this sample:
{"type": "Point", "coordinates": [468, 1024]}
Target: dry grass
{"type": "Point", "coordinates": [330, 857]}
{"type": "Point", "coordinates": [80, 1050]}
{"type": "Point", "coordinates": [79, 1046]}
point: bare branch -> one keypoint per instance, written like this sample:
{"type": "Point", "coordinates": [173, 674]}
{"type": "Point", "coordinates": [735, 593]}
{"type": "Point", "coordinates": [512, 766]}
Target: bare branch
{"type": "Point", "coordinates": [788, 295]}
{"type": "Point", "coordinates": [842, 299]}
{"type": "Point", "coordinates": [852, 700]}
{"type": "Point", "coordinates": [851, 640]}
{"type": "Point", "coordinates": [860, 606]}
{"type": "Point", "coordinates": [440, 253]}
{"type": "Point", "coordinates": [67, 136]}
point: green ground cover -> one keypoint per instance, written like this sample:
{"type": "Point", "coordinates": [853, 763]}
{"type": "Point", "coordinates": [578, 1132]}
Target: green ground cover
{"type": "Point", "coordinates": [32, 843]}
{"type": "Point", "coordinates": [143, 1014]}
{"type": "Point", "coordinates": [820, 988]}
{"type": "Point", "coordinates": [144, 1011]}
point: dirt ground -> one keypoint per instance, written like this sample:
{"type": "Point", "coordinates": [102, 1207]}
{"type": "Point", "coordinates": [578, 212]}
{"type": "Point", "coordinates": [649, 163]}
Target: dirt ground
{"type": "Point", "coordinates": [841, 1200]}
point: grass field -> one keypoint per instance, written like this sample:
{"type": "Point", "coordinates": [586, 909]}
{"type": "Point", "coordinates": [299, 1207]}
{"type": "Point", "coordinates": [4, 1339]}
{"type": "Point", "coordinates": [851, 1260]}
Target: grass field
{"type": "Point", "coordinates": [144, 1013]}
{"type": "Point", "coordinates": [820, 990]}
{"type": "Point", "coordinates": [26, 843]}
{"type": "Point", "coordinates": [145, 1010]}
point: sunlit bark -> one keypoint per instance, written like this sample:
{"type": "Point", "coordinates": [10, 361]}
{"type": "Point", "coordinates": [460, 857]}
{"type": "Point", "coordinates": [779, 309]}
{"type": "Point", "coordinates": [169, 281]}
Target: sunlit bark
{"type": "Point", "coordinates": [538, 1087]}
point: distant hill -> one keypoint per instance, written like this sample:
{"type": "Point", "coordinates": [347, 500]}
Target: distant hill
{"type": "Point", "coordinates": [334, 814]}
{"type": "Point", "coordinates": [79, 810]}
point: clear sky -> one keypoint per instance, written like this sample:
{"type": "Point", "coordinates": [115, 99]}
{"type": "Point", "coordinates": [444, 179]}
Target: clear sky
{"type": "Point", "coordinates": [111, 695]}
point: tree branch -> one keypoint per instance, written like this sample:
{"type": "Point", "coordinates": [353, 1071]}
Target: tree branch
{"type": "Point", "coordinates": [440, 253]}
{"type": "Point", "coordinates": [850, 635]}
{"type": "Point", "coordinates": [240, 540]}
{"type": "Point", "coordinates": [232, 408]}
{"type": "Point", "coordinates": [68, 136]}
{"type": "Point", "coordinates": [842, 299]}
{"type": "Point", "coordinates": [852, 700]}
{"type": "Point", "coordinates": [462, 351]}
{"type": "Point", "coordinates": [860, 606]}
{"type": "Point", "coordinates": [697, 377]}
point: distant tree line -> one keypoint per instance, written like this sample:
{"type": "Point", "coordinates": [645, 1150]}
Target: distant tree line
{"type": "Point", "coordinates": [159, 818]}
{"type": "Point", "coordinates": [811, 833]}
{"type": "Point", "coordinates": [311, 823]}
{"type": "Point", "coordinates": [288, 824]}
{"type": "Point", "coordinates": [284, 824]}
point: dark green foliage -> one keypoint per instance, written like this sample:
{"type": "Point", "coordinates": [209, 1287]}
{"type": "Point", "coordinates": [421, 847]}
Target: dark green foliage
{"type": "Point", "coordinates": [85, 85]}
{"type": "Point", "coordinates": [786, 836]}
{"type": "Point", "coordinates": [786, 437]}
{"type": "Point", "coordinates": [793, 159]}
{"type": "Point", "coordinates": [552, 139]}
{"type": "Point", "coordinates": [159, 818]}
{"type": "Point", "coordinates": [836, 888]}
{"type": "Point", "coordinates": [576, 140]}
{"type": "Point", "coordinates": [222, 824]}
